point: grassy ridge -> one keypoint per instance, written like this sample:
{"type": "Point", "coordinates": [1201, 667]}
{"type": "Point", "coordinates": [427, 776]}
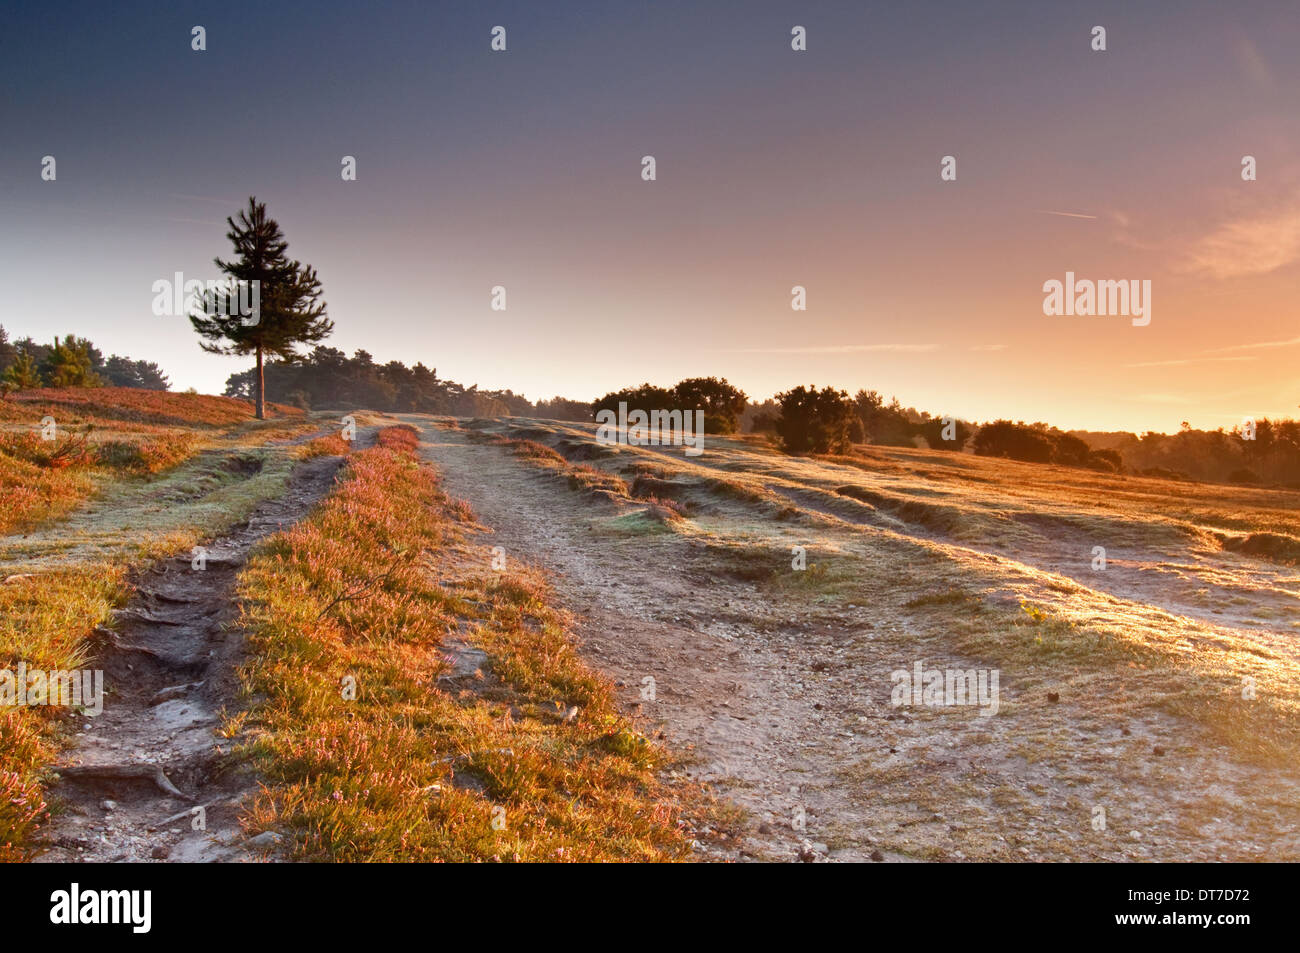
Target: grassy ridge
{"type": "Point", "coordinates": [130, 407]}
{"type": "Point", "coordinates": [62, 579]}
{"type": "Point", "coordinates": [101, 435]}
{"type": "Point", "coordinates": [473, 733]}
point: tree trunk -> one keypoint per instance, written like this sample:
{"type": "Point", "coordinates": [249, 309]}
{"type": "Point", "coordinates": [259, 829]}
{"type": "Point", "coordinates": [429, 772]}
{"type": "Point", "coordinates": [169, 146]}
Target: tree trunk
{"type": "Point", "coordinates": [261, 386]}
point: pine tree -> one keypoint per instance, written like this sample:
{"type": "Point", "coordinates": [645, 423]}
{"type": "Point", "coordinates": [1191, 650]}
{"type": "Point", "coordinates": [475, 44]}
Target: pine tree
{"type": "Point", "coordinates": [290, 312]}
{"type": "Point", "coordinates": [22, 374]}
{"type": "Point", "coordinates": [69, 363]}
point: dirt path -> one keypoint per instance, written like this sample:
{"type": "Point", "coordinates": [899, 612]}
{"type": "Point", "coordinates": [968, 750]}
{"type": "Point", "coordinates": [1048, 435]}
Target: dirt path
{"type": "Point", "coordinates": [147, 778]}
{"type": "Point", "coordinates": [785, 707]}
{"type": "Point", "coordinates": [730, 706]}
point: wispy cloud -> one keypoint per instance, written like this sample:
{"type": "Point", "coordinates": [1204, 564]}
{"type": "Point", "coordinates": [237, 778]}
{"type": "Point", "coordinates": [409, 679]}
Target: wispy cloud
{"type": "Point", "coordinates": [1252, 62]}
{"type": "Point", "coordinates": [1186, 360]}
{"type": "Point", "coordinates": [989, 347]}
{"type": "Point", "coordinates": [1045, 211]}
{"type": "Point", "coordinates": [835, 349]}
{"type": "Point", "coordinates": [1253, 244]}
{"type": "Point", "coordinates": [193, 221]}
{"type": "Point", "coordinates": [1262, 345]}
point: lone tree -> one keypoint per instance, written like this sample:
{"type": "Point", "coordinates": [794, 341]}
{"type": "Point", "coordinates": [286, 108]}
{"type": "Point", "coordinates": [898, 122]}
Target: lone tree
{"type": "Point", "coordinates": [290, 311]}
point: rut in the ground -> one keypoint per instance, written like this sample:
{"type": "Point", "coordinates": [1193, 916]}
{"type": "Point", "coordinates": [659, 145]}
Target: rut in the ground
{"type": "Point", "coordinates": [133, 785]}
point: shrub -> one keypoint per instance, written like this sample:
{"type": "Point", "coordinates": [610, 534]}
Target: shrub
{"type": "Point", "coordinates": [58, 454]}
{"type": "Point", "coordinates": [330, 445]}
{"type": "Point", "coordinates": [1110, 460]}
{"type": "Point", "coordinates": [933, 429]}
{"type": "Point", "coordinates": [401, 437]}
{"type": "Point", "coordinates": [1002, 438]}
{"type": "Point", "coordinates": [815, 421]}
{"type": "Point", "coordinates": [884, 424]}
{"type": "Point", "coordinates": [145, 456]}
{"type": "Point", "coordinates": [1069, 450]}
{"type": "Point", "coordinates": [721, 403]}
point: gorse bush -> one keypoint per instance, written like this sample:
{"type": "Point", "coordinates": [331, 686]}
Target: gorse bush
{"type": "Point", "coordinates": [814, 421]}
{"type": "Point", "coordinates": [721, 403]}
{"type": "Point", "coordinates": [1002, 438]}
{"type": "Point", "coordinates": [1037, 443]}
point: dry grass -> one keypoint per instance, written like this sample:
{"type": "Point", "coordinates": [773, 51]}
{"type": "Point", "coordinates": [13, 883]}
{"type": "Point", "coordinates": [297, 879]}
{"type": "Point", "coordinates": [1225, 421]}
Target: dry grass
{"type": "Point", "coordinates": [330, 445]}
{"type": "Point", "coordinates": [142, 453]}
{"type": "Point", "coordinates": [103, 435]}
{"type": "Point", "coordinates": [475, 732]}
{"type": "Point", "coordinates": [45, 620]}
{"type": "Point", "coordinates": [920, 509]}
{"type": "Point", "coordinates": [32, 494]}
{"type": "Point", "coordinates": [1124, 687]}
{"type": "Point", "coordinates": [582, 477]}
{"type": "Point", "coordinates": [109, 406]}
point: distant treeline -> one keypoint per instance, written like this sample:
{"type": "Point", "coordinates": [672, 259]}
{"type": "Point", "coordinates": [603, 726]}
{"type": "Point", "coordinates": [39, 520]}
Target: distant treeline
{"type": "Point", "coordinates": [862, 418]}
{"type": "Point", "coordinates": [71, 362]}
{"type": "Point", "coordinates": [800, 420]}
{"type": "Point", "coordinates": [1216, 456]}
{"type": "Point", "coordinates": [826, 420]}
{"type": "Point", "coordinates": [328, 378]}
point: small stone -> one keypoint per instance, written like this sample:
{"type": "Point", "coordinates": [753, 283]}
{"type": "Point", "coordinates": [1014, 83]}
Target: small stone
{"type": "Point", "coordinates": [876, 855]}
{"type": "Point", "coordinates": [108, 805]}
